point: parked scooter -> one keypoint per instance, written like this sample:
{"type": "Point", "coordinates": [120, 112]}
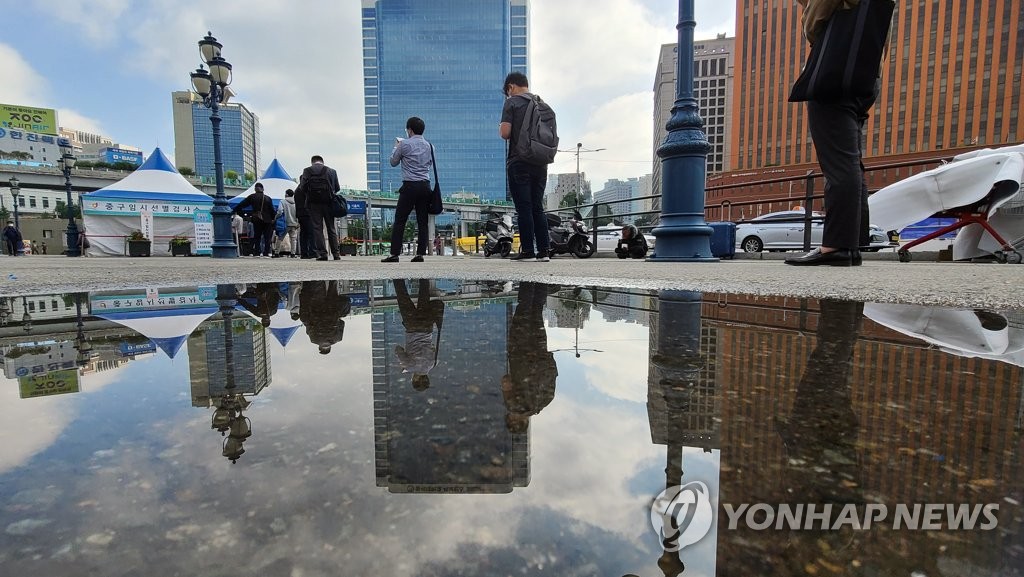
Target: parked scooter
{"type": "Point", "coordinates": [570, 236]}
{"type": "Point", "coordinates": [499, 235]}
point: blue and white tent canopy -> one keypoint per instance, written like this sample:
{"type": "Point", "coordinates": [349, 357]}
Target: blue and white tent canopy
{"type": "Point", "coordinates": [169, 329]}
{"type": "Point", "coordinates": [113, 212]}
{"type": "Point", "coordinates": [275, 181]}
{"type": "Point", "coordinates": [155, 180]}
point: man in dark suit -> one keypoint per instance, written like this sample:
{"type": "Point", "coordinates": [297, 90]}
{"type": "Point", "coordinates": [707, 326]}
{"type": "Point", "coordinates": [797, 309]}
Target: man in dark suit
{"type": "Point", "coordinates": [316, 186]}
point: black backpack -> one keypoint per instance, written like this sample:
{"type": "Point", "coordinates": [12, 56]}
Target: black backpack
{"type": "Point", "coordinates": [537, 141]}
{"type": "Point", "coordinates": [318, 187]}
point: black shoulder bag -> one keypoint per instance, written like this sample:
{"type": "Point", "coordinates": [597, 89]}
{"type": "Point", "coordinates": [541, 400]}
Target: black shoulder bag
{"type": "Point", "coordinates": [846, 58]}
{"type": "Point", "coordinates": [436, 205]}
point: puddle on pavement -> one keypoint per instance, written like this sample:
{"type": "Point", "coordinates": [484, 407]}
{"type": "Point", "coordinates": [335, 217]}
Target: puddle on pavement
{"type": "Point", "coordinates": [488, 428]}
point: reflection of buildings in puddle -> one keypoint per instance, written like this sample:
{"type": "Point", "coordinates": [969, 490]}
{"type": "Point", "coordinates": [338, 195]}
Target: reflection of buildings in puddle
{"type": "Point", "coordinates": [930, 428]}
{"type": "Point", "coordinates": [229, 358]}
{"type": "Point", "coordinates": [46, 367]}
{"type": "Point", "coordinates": [450, 437]}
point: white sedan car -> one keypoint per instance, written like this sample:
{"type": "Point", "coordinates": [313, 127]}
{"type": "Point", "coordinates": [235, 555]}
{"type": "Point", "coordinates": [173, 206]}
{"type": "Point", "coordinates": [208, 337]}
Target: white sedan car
{"type": "Point", "coordinates": [608, 238]}
{"type": "Point", "coordinates": [778, 231]}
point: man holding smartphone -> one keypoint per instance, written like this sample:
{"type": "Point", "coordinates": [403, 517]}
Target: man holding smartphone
{"type": "Point", "coordinates": [416, 156]}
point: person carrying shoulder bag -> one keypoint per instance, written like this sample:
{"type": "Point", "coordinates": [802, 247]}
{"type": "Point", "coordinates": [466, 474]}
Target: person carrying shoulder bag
{"type": "Point", "coordinates": [263, 219]}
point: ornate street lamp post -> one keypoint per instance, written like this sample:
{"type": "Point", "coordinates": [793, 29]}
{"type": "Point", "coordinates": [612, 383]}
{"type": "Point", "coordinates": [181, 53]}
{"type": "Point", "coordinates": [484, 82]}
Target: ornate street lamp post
{"type": "Point", "coordinates": [683, 235]}
{"type": "Point", "coordinates": [15, 191]}
{"type": "Point", "coordinates": [67, 162]}
{"type": "Point", "coordinates": [211, 87]}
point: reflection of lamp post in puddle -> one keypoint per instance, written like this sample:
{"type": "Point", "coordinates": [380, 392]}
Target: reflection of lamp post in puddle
{"type": "Point", "coordinates": [682, 405]}
{"type": "Point", "coordinates": [5, 311]}
{"type": "Point", "coordinates": [26, 319]}
{"type": "Point", "coordinates": [82, 344]}
{"type": "Point", "coordinates": [227, 415]}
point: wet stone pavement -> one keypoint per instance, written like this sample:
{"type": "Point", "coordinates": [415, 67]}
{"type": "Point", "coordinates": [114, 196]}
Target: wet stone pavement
{"type": "Point", "coordinates": [454, 427]}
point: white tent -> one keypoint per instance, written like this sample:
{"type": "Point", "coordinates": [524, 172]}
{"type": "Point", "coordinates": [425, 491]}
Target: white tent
{"type": "Point", "coordinates": [154, 199]}
{"type": "Point", "coordinates": [275, 182]}
{"type": "Point", "coordinates": [166, 316]}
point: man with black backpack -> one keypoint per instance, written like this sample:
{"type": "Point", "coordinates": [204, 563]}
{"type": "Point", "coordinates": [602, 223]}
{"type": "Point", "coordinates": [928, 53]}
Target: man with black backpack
{"type": "Point", "coordinates": [528, 124]}
{"type": "Point", "coordinates": [317, 187]}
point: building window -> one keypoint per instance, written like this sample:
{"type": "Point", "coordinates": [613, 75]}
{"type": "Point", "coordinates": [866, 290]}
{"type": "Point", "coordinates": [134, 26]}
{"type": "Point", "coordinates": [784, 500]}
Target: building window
{"type": "Point", "coordinates": [46, 203]}
{"type": "Point", "coordinates": [31, 202]}
{"type": "Point", "coordinates": [47, 234]}
{"type": "Point", "coordinates": [21, 201]}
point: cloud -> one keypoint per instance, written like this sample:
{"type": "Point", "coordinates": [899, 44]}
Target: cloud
{"type": "Point", "coordinates": [22, 84]}
{"type": "Point", "coordinates": [92, 20]}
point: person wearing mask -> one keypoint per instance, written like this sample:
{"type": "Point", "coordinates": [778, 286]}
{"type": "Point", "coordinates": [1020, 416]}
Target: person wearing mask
{"type": "Point", "coordinates": [526, 181]}
{"type": "Point", "coordinates": [416, 156]}
{"type": "Point", "coordinates": [263, 218]}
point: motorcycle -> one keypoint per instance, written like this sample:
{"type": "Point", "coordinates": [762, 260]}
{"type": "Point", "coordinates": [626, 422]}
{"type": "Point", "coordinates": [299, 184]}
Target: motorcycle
{"type": "Point", "coordinates": [498, 236]}
{"type": "Point", "coordinates": [570, 236]}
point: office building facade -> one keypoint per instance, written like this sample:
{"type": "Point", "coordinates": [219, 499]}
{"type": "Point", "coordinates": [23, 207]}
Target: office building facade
{"type": "Point", "coordinates": [193, 137]}
{"type": "Point", "coordinates": [951, 80]}
{"type": "Point", "coordinates": [712, 87]}
{"type": "Point", "coordinates": [443, 61]}
{"type": "Point", "coordinates": [620, 190]}
{"type": "Point", "coordinates": [560, 186]}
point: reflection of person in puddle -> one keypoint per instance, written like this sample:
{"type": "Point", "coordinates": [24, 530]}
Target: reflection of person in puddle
{"type": "Point", "coordinates": [267, 296]}
{"type": "Point", "coordinates": [419, 354]}
{"type": "Point", "coordinates": [530, 384]}
{"type": "Point", "coordinates": [821, 433]}
{"type": "Point", "coordinates": [821, 465]}
{"type": "Point", "coordinates": [321, 309]}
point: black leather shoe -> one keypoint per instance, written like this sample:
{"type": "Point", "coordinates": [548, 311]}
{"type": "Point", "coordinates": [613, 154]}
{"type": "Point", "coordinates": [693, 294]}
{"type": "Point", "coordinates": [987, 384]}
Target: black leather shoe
{"type": "Point", "coordinates": [855, 258]}
{"type": "Point", "coordinates": [417, 258]}
{"type": "Point", "coordinates": [817, 258]}
{"type": "Point", "coordinates": [321, 258]}
{"type": "Point", "coordinates": [337, 257]}
{"type": "Point", "coordinates": [524, 256]}
{"type": "Point", "coordinates": [392, 258]}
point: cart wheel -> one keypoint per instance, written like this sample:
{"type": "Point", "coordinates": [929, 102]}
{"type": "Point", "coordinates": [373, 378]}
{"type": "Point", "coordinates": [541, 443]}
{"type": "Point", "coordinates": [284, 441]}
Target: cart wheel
{"type": "Point", "coordinates": [1014, 257]}
{"type": "Point", "coordinates": [1000, 257]}
{"type": "Point", "coordinates": [904, 256]}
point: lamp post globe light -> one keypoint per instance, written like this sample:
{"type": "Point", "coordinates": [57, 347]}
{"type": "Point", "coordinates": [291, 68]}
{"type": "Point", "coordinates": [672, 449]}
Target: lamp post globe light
{"type": "Point", "coordinates": [67, 162]}
{"type": "Point", "coordinates": [15, 191]}
{"type": "Point", "coordinates": [211, 87]}
{"type": "Point", "coordinates": [683, 235]}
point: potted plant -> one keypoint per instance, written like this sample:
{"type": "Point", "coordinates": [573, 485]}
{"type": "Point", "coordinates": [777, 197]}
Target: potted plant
{"type": "Point", "coordinates": [180, 245]}
{"type": "Point", "coordinates": [349, 246]}
{"type": "Point", "coordinates": [138, 244]}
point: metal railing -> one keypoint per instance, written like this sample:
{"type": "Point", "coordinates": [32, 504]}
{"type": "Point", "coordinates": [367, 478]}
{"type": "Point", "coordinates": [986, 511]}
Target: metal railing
{"type": "Point", "coordinates": [810, 201]}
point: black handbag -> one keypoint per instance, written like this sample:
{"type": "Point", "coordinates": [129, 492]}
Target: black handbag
{"type": "Point", "coordinates": [846, 58]}
{"type": "Point", "coordinates": [436, 205]}
{"type": "Point", "coordinates": [339, 206]}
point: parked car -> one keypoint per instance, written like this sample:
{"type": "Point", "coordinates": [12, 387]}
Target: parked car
{"type": "Point", "coordinates": [608, 237]}
{"type": "Point", "coordinates": [772, 232]}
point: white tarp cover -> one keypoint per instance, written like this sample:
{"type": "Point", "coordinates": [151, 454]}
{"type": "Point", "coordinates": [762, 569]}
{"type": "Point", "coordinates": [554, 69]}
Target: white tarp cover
{"type": "Point", "coordinates": [168, 329]}
{"type": "Point", "coordinates": [962, 332]}
{"type": "Point", "coordinates": [968, 179]}
{"type": "Point", "coordinates": [113, 212]}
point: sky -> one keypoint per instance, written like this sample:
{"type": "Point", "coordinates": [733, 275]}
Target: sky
{"type": "Point", "coordinates": [109, 66]}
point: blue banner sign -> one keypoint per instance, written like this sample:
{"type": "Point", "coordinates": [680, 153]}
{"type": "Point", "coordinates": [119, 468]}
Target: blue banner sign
{"type": "Point", "coordinates": [356, 207]}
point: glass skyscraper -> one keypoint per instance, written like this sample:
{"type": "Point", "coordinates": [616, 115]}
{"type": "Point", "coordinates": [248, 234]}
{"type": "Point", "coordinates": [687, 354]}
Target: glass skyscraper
{"type": "Point", "coordinates": [443, 61]}
{"type": "Point", "coordinates": [193, 137]}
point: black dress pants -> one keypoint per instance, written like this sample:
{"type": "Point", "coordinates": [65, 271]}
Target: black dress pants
{"type": "Point", "coordinates": [413, 195]}
{"type": "Point", "coordinates": [837, 131]}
